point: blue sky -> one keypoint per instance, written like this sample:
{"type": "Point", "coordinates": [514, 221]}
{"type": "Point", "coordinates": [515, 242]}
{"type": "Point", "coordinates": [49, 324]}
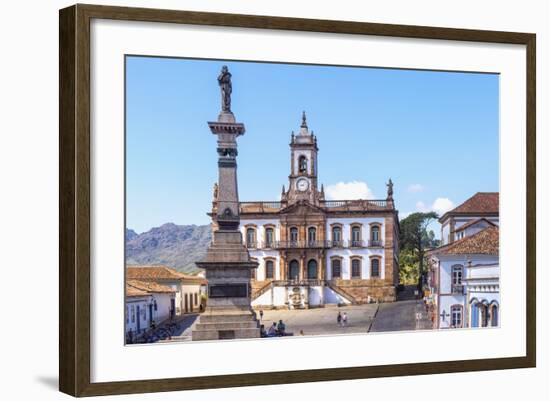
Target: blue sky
{"type": "Point", "coordinates": [435, 134]}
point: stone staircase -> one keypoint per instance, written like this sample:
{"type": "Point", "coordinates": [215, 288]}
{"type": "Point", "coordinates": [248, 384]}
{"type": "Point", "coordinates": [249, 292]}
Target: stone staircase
{"type": "Point", "coordinates": [343, 293]}
{"type": "Point", "coordinates": [260, 291]}
{"type": "Point", "coordinates": [226, 326]}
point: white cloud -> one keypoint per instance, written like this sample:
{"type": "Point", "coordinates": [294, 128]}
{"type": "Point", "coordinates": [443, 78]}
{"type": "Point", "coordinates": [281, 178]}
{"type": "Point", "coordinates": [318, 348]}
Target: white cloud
{"type": "Point", "coordinates": [440, 206]}
{"type": "Point", "coordinates": [349, 190]}
{"type": "Point", "coordinates": [415, 188]}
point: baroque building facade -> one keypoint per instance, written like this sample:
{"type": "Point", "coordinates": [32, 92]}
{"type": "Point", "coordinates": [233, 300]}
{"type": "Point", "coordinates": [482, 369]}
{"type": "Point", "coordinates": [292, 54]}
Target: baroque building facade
{"type": "Point", "coordinates": [312, 251]}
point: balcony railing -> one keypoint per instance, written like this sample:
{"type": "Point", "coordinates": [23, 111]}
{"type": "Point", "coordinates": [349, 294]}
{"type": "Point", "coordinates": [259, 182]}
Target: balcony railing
{"type": "Point", "coordinates": [259, 207]}
{"type": "Point", "coordinates": [311, 282]}
{"type": "Point", "coordinates": [360, 204]}
{"type": "Point", "coordinates": [349, 205]}
{"type": "Point", "coordinates": [457, 289]}
{"type": "Point", "coordinates": [314, 244]}
{"type": "Point", "coordinates": [302, 244]}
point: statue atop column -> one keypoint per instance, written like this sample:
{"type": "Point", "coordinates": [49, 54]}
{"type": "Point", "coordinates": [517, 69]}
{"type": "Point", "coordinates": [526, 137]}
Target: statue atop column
{"type": "Point", "coordinates": [390, 189]}
{"type": "Point", "coordinates": [224, 80]}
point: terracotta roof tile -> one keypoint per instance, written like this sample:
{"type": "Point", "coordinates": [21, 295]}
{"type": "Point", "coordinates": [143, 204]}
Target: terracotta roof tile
{"type": "Point", "coordinates": [153, 273]}
{"type": "Point", "coordinates": [485, 242]}
{"type": "Point", "coordinates": [134, 292]}
{"type": "Point", "coordinates": [149, 286]}
{"type": "Point", "coordinates": [481, 202]}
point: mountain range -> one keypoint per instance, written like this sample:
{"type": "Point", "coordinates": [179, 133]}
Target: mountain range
{"type": "Point", "coordinates": [177, 246]}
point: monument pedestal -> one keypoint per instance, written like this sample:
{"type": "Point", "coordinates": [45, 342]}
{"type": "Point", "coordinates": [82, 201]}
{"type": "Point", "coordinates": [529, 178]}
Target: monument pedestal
{"type": "Point", "coordinates": [228, 314]}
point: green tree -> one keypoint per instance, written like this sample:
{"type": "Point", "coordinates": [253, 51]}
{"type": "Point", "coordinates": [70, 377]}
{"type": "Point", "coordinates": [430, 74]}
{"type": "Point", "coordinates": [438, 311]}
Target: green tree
{"type": "Point", "coordinates": [408, 267]}
{"type": "Point", "coordinates": [415, 238]}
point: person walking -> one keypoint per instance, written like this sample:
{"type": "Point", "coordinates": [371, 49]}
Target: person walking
{"type": "Point", "coordinates": [339, 319]}
{"type": "Point", "coordinates": [344, 319]}
{"type": "Point", "coordinates": [261, 314]}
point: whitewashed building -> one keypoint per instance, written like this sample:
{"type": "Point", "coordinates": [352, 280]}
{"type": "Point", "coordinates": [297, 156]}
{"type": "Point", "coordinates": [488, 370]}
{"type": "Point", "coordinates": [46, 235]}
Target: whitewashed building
{"type": "Point", "coordinates": [312, 251]}
{"type": "Point", "coordinates": [188, 289]}
{"type": "Point", "coordinates": [146, 303]}
{"type": "Point", "coordinates": [464, 272]}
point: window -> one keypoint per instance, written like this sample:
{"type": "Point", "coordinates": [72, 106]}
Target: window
{"type": "Point", "coordinates": [196, 299]}
{"type": "Point", "coordinates": [293, 234]}
{"type": "Point", "coordinates": [133, 313]}
{"type": "Point", "coordinates": [356, 268]}
{"type": "Point", "coordinates": [456, 316]}
{"type": "Point", "coordinates": [356, 236]}
{"type": "Point", "coordinates": [302, 164]}
{"type": "Point", "coordinates": [143, 314]}
{"type": "Point", "coordinates": [336, 236]}
{"type": "Point", "coordinates": [312, 269]}
{"type": "Point", "coordinates": [269, 269]}
{"type": "Point", "coordinates": [375, 236]}
{"type": "Point", "coordinates": [127, 315]}
{"type": "Point", "coordinates": [155, 305]}
{"type": "Point", "coordinates": [336, 268]}
{"type": "Point", "coordinates": [251, 238]}
{"type": "Point", "coordinates": [457, 287]}
{"type": "Point", "coordinates": [457, 274]}
{"type": "Point", "coordinates": [311, 235]}
{"type": "Point", "coordinates": [375, 268]}
{"type": "Point", "coordinates": [269, 237]}
{"type": "Point", "coordinates": [375, 233]}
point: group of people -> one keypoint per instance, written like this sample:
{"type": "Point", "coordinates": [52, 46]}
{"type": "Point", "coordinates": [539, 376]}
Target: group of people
{"type": "Point", "coordinates": [275, 330]}
{"type": "Point", "coordinates": [279, 329]}
{"type": "Point", "coordinates": [342, 319]}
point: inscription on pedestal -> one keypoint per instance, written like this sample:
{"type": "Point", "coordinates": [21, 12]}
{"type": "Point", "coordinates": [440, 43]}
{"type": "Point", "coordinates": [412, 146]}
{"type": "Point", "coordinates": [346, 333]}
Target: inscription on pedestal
{"type": "Point", "coordinates": [228, 290]}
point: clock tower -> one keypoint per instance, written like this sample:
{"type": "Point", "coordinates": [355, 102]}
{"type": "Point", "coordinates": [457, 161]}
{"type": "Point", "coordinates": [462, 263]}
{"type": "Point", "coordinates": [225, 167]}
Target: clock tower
{"type": "Point", "coordinates": [303, 167]}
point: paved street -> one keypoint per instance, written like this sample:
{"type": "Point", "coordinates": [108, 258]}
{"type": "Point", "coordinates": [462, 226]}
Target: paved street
{"type": "Point", "coordinates": [396, 316]}
{"type": "Point", "coordinates": [401, 315]}
{"type": "Point", "coordinates": [322, 320]}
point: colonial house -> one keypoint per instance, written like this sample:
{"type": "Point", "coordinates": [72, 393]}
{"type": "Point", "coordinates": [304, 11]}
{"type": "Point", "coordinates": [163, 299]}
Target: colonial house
{"type": "Point", "coordinates": [146, 302]}
{"type": "Point", "coordinates": [464, 272]}
{"type": "Point", "coordinates": [188, 288]}
{"type": "Point", "coordinates": [312, 251]}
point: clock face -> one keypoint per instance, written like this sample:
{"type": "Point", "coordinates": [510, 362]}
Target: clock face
{"type": "Point", "coordinates": [302, 185]}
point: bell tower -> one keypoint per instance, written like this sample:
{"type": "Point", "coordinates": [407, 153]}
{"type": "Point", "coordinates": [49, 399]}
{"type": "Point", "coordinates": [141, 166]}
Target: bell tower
{"type": "Point", "coordinates": [303, 166]}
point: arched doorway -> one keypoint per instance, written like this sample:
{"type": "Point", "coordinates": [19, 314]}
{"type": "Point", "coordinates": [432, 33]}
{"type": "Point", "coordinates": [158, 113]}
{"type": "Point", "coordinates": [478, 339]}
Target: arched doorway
{"type": "Point", "coordinates": [494, 315]}
{"type": "Point", "coordinates": [294, 270]}
{"type": "Point", "coordinates": [484, 314]}
{"type": "Point", "coordinates": [312, 269]}
{"type": "Point", "coordinates": [475, 315]}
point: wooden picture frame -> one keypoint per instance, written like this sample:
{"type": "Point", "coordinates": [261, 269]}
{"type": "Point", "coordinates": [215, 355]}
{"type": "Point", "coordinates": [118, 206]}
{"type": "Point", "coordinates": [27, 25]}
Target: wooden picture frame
{"type": "Point", "coordinates": [74, 199]}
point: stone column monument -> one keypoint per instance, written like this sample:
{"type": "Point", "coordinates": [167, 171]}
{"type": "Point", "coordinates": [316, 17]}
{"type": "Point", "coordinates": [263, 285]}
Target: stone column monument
{"type": "Point", "coordinates": [227, 262]}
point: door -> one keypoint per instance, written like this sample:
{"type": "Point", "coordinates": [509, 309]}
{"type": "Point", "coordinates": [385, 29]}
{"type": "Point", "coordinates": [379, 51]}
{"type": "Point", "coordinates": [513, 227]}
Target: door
{"type": "Point", "coordinates": [475, 315]}
{"type": "Point", "coordinates": [150, 314]}
{"type": "Point", "coordinates": [138, 319]}
{"type": "Point", "coordinates": [294, 270]}
{"type": "Point", "coordinates": [312, 269]}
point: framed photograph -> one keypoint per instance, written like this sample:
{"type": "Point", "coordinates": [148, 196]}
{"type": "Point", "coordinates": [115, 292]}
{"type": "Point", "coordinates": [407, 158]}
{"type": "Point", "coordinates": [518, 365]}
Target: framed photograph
{"type": "Point", "coordinates": [384, 196]}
